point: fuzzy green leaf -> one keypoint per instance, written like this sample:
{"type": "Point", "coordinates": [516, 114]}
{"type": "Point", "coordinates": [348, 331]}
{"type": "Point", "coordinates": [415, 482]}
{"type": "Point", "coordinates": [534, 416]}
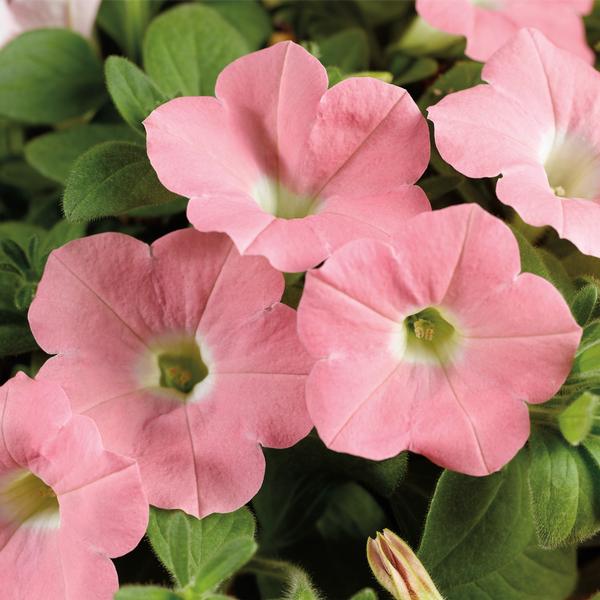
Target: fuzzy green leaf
{"type": "Point", "coordinates": [54, 153]}
{"type": "Point", "coordinates": [111, 179]}
{"type": "Point", "coordinates": [565, 489]}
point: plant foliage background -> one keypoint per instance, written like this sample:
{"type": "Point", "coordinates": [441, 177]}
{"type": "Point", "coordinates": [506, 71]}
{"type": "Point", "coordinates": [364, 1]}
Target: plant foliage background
{"type": "Point", "coordinates": [73, 163]}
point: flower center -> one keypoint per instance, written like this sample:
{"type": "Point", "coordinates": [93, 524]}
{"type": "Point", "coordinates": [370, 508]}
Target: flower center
{"type": "Point", "coordinates": [572, 166]}
{"type": "Point", "coordinates": [429, 337]}
{"type": "Point", "coordinates": [25, 498]}
{"type": "Point", "coordinates": [181, 366]}
{"type": "Point", "coordinates": [274, 198]}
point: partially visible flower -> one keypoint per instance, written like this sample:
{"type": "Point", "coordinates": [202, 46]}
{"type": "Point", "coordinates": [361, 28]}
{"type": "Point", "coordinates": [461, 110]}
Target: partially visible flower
{"type": "Point", "coordinates": [437, 346]}
{"type": "Point", "coordinates": [533, 124]}
{"type": "Point", "coordinates": [18, 16]}
{"type": "Point", "coordinates": [489, 24]}
{"type": "Point", "coordinates": [66, 504]}
{"type": "Point", "coordinates": [182, 354]}
{"type": "Point", "coordinates": [398, 570]}
{"type": "Point", "coordinates": [287, 168]}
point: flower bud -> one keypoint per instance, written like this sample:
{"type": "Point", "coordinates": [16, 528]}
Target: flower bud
{"type": "Point", "coordinates": [398, 570]}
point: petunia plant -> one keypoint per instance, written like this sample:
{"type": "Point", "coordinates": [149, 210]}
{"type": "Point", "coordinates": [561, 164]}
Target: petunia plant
{"type": "Point", "coordinates": [299, 299]}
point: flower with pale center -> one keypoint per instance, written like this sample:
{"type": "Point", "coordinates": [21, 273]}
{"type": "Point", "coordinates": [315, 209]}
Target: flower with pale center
{"type": "Point", "coordinates": [18, 16]}
{"type": "Point", "coordinates": [182, 354]}
{"type": "Point", "coordinates": [66, 503]}
{"type": "Point", "coordinates": [533, 124]}
{"type": "Point", "coordinates": [287, 168]}
{"type": "Point", "coordinates": [489, 24]}
{"type": "Point", "coordinates": [437, 346]}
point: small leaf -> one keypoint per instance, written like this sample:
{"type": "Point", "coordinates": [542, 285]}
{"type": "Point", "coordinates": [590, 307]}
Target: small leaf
{"type": "Point", "coordinates": [126, 22]}
{"type": "Point", "coordinates": [347, 49]}
{"type": "Point", "coordinates": [249, 17]}
{"type": "Point", "coordinates": [132, 91]}
{"type": "Point", "coordinates": [366, 594]}
{"type": "Point", "coordinates": [197, 551]}
{"type": "Point", "coordinates": [565, 489]}
{"type": "Point", "coordinates": [53, 154]}
{"type": "Point", "coordinates": [418, 69]}
{"type": "Point", "coordinates": [9, 268]}
{"type": "Point", "coordinates": [146, 592]}
{"type": "Point", "coordinates": [230, 558]}
{"type": "Point", "coordinates": [24, 296]}
{"type": "Point", "coordinates": [438, 185]}
{"type": "Point", "coordinates": [110, 179]}
{"type": "Point", "coordinates": [15, 253]}
{"type": "Point", "coordinates": [463, 75]}
{"type": "Point", "coordinates": [577, 420]}
{"type": "Point", "coordinates": [49, 75]}
{"type": "Point", "coordinates": [583, 303]}
{"type": "Point", "coordinates": [186, 47]}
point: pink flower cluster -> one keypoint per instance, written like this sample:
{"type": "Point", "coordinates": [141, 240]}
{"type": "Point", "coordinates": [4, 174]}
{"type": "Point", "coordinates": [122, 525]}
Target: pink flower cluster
{"type": "Point", "coordinates": [175, 363]}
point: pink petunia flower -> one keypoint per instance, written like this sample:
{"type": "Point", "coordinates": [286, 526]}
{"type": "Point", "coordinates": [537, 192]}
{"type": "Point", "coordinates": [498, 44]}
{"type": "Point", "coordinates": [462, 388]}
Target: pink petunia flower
{"type": "Point", "coordinates": [18, 16]}
{"type": "Point", "coordinates": [489, 24]}
{"type": "Point", "coordinates": [534, 124]}
{"type": "Point", "coordinates": [182, 354]}
{"type": "Point", "coordinates": [437, 346]}
{"type": "Point", "coordinates": [289, 169]}
{"type": "Point", "coordinates": [66, 504]}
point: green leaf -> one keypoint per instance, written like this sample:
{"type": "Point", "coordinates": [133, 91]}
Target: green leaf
{"type": "Point", "coordinates": [249, 17]}
{"type": "Point", "coordinates": [415, 69]}
{"type": "Point", "coordinates": [146, 592]}
{"type": "Point", "coordinates": [230, 558]}
{"type": "Point", "coordinates": [479, 540]}
{"type": "Point", "coordinates": [110, 179]}
{"type": "Point", "coordinates": [298, 481]}
{"type": "Point", "coordinates": [352, 513]}
{"type": "Point", "coordinates": [132, 91]}
{"type": "Point", "coordinates": [49, 75]}
{"type": "Point", "coordinates": [463, 75]}
{"type": "Point", "coordinates": [198, 552]}
{"type": "Point", "coordinates": [15, 254]}
{"type": "Point", "coordinates": [565, 490]}
{"type": "Point", "coordinates": [366, 594]}
{"type": "Point", "coordinates": [438, 185]}
{"type": "Point", "coordinates": [54, 153]}
{"type": "Point", "coordinates": [186, 48]}
{"type": "Point", "coordinates": [126, 22]}
{"type": "Point", "coordinates": [577, 420]}
{"type": "Point", "coordinates": [583, 303]}
{"type": "Point", "coordinates": [348, 50]}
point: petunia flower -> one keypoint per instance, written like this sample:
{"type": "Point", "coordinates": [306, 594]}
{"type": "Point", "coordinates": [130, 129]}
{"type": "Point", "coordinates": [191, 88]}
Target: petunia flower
{"type": "Point", "coordinates": [18, 16]}
{"type": "Point", "coordinates": [288, 169]}
{"type": "Point", "coordinates": [533, 124]}
{"type": "Point", "coordinates": [66, 503]}
{"type": "Point", "coordinates": [489, 24]}
{"type": "Point", "coordinates": [436, 346]}
{"type": "Point", "coordinates": [182, 355]}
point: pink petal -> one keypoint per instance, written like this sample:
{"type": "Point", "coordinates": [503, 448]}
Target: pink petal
{"type": "Point", "coordinates": [488, 29]}
{"type": "Point", "coordinates": [271, 97]}
{"type": "Point", "coordinates": [209, 466]}
{"type": "Point", "coordinates": [480, 133]}
{"type": "Point", "coordinates": [193, 151]}
{"type": "Point", "coordinates": [358, 143]}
